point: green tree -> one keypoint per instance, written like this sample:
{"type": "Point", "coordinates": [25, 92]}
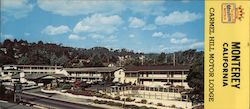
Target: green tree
{"type": "Point", "coordinates": [62, 60]}
{"type": "Point", "coordinates": [96, 61]}
{"type": "Point", "coordinates": [2, 90]}
{"type": "Point", "coordinates": [195, 80]}
{"type": "Point", "coordinates": [24, 60]}
{"type": "Point", "coordinates": [161, 58]}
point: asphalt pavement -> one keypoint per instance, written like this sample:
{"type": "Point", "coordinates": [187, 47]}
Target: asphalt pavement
{"type": "Point", "coordinates": [55, 101]}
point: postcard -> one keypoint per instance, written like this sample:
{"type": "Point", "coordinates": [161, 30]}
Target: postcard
{"type": "Point", "coordinates": [125, 54]}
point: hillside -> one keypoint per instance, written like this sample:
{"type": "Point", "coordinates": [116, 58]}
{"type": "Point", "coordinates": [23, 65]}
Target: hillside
{"type": "Point", "coordinates": [23, 52]}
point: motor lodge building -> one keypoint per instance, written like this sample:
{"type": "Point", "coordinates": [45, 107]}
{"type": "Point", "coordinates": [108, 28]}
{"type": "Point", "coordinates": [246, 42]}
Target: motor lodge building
{"type": "Point", "coordinates": [24, 73]}
{"type": "Point", "coordinates": [157, 76]}
{"type": "Point", "coordinates": [153, 76]}
{"type": "Point", "coordinates": [92, 74]}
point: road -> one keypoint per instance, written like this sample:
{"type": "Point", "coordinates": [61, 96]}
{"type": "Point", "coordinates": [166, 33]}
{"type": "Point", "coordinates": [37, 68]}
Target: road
{"type": "Point", "coordinates": [48, 100]}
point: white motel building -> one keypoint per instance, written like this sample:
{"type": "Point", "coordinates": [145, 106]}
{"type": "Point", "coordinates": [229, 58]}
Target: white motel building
{"type": "Point", "coordinates": [154, 76]}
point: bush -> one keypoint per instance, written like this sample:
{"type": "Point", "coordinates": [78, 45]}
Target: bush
{"type": "Point", "coordinates": [98, 94]}
{"type": "Point", "coordinates": [173, 106]}
{"type": "Point", "coordinates": [143, 101]}
{"type": "Point", "coordinates": [106, 96]}
{"type": "Point", "coordinates": [66, 86]}
{"type": "Point", "coordinates": [129, 99]}
{"type": "Point", "coordinates": [103, 102]}
{"type": "Point", "coordinates": [110, 103]}
{"type": "Point", "coordinates": [100, 102]}
{"type": "Point", "coordinates": [152, 108]}
{"type": "Point", "coordinates": [143, 107]}
{"type": "Point", "coordinates": [150, 103]}
{"type": "Point", "coordinates": [138, 102]}
{"type": "Point", "coordinates": [96, 101]}
{"type": "Point", "coordinates": [131, 107]}
{"type": "Point", "coordinates": [117, 104]}
{"type": "Point", "coordinates": [117, 98]}
{"type": "Point", "coordinates": [159, 104]}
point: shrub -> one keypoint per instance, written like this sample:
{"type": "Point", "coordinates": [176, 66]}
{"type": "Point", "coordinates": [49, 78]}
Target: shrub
{"type": "Point", "coordinates": [138, 102]}
{"type": "Point", "coordinates": [152, 108]}
{"type": "Point", "coordinates": [143, 101]}
{"type": "Point", "coordinates": [159, 104]}
{"type": "Point", "coordinates": [98, 94]}
{"type": "Point", "coordinates": [129, 99]}
{"type": "Point", "coordinates": [173, 106]}
{"type": "Point", "coordinates": [117, 104]}
{"type": "Point", "coordinates": [102, 102]}
{"type": "Point", "coordinates": [143, 107]}
{"type": "Point", "coordinates": [106, 96]}
{"type": "Point", "coordinates": [117, 98]}
{"type": "Point", "coordinates": [96, 101]}
{"type": "Point", "coordinates": [66, 86]}
{"type": "Point", "coordinates": [122, 99]}
{"type": "Point", "coordinates": [87, 93]}
{"type": "Point", "coordinates": [131, 107]}
{"type": "Point", "coordinates": [150, 103]}
{"type": "Point", "coordinates": [110, 103]}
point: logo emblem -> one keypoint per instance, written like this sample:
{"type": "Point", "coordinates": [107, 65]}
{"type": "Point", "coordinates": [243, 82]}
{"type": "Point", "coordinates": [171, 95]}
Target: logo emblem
{"type": "Point", "coordinates": [230, 13]}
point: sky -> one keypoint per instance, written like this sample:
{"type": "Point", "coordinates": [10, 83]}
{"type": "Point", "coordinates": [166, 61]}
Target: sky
{"type": "Point", "coordinates": [142, 26]}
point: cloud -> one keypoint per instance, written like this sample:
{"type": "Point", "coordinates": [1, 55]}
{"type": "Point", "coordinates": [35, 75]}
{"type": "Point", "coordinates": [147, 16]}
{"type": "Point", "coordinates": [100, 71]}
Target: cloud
{"type": "Point", "coordinates": [166, 35]}
{"type": "Point", "coordinates": [177, 35]}
{"type": "Point", "coordinates": [197, 45]}
{"type": "Point", "coordinates": [177, 18]}
{"type": "Point", "coordinates": [179, 38]}
{"type": "Point", "coordinates": [158, 34]}
{"type": "Point", "coordinates": [185, 1]}
{"type": "Point", "coordinates": [99, 23]}
{"type": "Point", "coordinates": [80, 7]}
{"type": "Point", "coordinates": [135, 22]}
{"type": "Point", "coordinates": [76, 37]}
{"type": "Point", "coordinates": [149, 27]}
{"type": "Point", "coordinates": [103, 38]}
{"type": "Point", "coordinates": [53, 30]}
{"type": "Point", "coordinates": [96, 36]}
{"type": "Point", "coordinates": [147, 7]}
{"type": "Point", "coordinates": [131, 35]}
{"type": "Point", "coordinates": [6, 36]}
{"type": "Point", "coordinates": [26, 34]}
{"type": "Point", "coordinates": [16, 8]}
{"type": "Point", "coordinates": [111, 38]}
{"type": "Point", "coordinates": [180, 47]}
{"type": "Point", "coordinates": [87, 7]}
{"type": "Point", "coordinates": [179, 41]}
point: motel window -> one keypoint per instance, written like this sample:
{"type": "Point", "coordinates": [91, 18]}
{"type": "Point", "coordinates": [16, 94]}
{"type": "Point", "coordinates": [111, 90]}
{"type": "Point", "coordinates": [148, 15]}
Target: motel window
{"type": "Point", "coordinates": [127, 75]}
{"type": "Point", "coordinates": [25, 68]}
{"type": "Point", "coordinates": [5, 73]}
{"type": "Point", "coordinates": [133, 75]}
